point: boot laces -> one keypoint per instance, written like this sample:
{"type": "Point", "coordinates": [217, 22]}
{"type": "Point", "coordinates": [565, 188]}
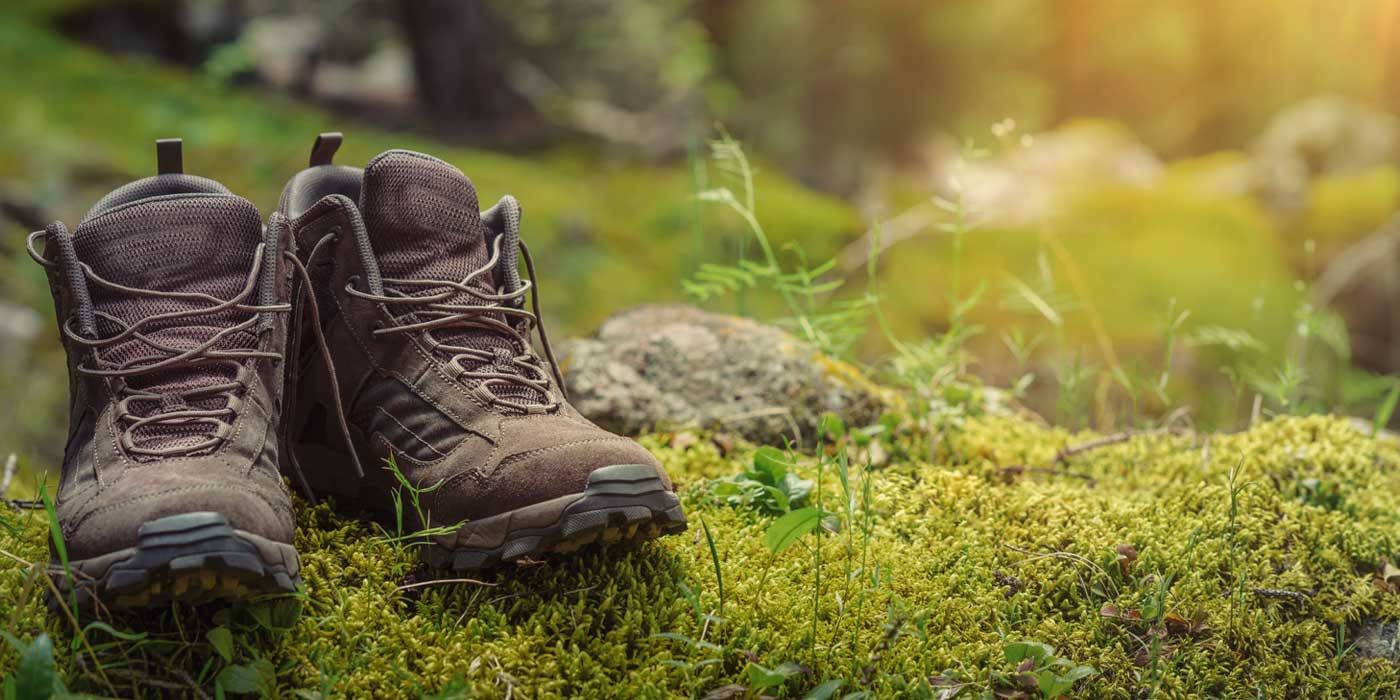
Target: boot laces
{"type": "Point", "coordinates": [496, 371]}
{"type": "Point", "coordinates": [177, 408]}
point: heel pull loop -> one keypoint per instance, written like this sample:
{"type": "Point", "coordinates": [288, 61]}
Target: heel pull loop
{"type": "Point", "coordinates": [169, 158]}
{"type": "Point", "coordinates": [323, 150]}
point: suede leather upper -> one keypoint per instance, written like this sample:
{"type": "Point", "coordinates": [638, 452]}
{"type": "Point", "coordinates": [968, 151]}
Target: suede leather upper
{"type": "Point", "coordinates": [403, 398]}
{"type": "Point", "coordinates": [107, 492]}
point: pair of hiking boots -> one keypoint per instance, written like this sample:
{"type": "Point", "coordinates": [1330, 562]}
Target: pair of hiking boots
{"type": "Point", "coordinates": [371, 341]}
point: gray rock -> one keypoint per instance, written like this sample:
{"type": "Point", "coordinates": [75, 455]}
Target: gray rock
{"type": "Point", "coordinates": [1378, 639]}
{"type": "Point", "coordinates": [659, 367]}
{"type": "Point", "coordinates": [1320, 136]}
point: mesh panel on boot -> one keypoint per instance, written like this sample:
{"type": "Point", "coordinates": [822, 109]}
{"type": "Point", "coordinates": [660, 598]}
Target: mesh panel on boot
{"type": "Point", "coordinates": [424, 222]}
{"type": "Point", "coordinates": [186, 244]}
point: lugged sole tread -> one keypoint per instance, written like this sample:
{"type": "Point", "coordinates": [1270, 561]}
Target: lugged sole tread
{"type": "Point", "coordinates": [620, 504]}
{"type": "Point", "coordinates": [191, 558]}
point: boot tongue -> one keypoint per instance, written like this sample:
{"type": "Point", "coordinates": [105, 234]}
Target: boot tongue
{"type": "Point", "coordinates": [423, 219]}
{"type": "Point", "coordinates": [186, 243]}
{"type": "Point", "coordinates": [194, 243]}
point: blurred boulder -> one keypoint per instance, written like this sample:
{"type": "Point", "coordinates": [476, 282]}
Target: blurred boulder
{"type": "Point", "coordinates": [1320, 136]}
{"type": "Point", "coordinates": [1362, 284]}
{"type": "Point", "coordinates": [1032, 177]}
{"type": "Point", "coordinates": [667, 366]}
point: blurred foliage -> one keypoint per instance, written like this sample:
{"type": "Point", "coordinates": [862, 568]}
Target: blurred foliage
{"type": "Point", "coordinates": [78, 123]}
{"type": "Point", "coordinates": [832, 92]}
{"type": "Point", "coordinates": [826, 86]}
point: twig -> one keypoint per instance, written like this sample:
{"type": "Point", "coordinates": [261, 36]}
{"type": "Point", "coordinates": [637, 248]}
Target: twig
{"type": "Point", "coordinates": [1018, 469]}
{"type": "Point", "coordinates": [24, 503]}
{"type": "Point", "coordinates": [1064, 455]}
{"type": "Point", "coordinates": [443, 581]}
{"type": "Point", "coordinates": [11, 466]}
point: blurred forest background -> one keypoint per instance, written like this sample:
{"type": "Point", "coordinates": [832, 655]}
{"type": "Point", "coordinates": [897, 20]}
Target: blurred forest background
{"type": "Point", "coordinates": [1120, 208]}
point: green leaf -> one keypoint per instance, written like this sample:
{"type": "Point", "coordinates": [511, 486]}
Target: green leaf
{"type": "Point", "coordinates": [790, 528]}
{"type": "Point", "coordinates": [35, 676]}
{"type": "Point", "coordinates": [246, 678]}
{"type": "Point", "coordinates": [222, 641]}
{"type": "Point", "coordinates": [714, 559]}
{"type": "Point", "coordinates": [761, 678]}
{"type": "Point", "coordinates": [832, 426]}
{"type": "Point", "coordinates": [1016, 652]}
{"type": "Point", "coordinates": [825, 691]}
{"type": "Point", "coordinates": [1386, 410]}
{"type": "Point", "coordinates": [770, 462]}
{"type": "Point", "coordinates": [795, 489]}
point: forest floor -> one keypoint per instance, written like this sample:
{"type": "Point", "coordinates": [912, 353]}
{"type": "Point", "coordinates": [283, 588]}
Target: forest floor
{"type": "Point", "coordinates": [1003, 557]}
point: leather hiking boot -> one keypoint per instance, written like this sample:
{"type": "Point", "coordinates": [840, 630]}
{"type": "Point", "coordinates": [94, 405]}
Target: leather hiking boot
{"type": "Point", "coordinates": [171, 304]}
{"type": "Point", "coordinates": [422, 306]}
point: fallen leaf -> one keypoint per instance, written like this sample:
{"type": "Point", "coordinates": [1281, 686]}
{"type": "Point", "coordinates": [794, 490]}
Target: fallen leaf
{"type": "Point", "coordinates": [1112, 611]}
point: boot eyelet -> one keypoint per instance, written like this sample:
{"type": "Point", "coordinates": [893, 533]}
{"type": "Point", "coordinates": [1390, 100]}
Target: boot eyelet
{"type": "Point", "coordinates": [353, 282]}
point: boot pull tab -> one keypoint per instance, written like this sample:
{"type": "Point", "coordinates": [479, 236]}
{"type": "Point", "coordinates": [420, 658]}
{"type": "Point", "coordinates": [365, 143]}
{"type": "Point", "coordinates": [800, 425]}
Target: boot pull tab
{"type": "Point", "coordinates": [323, 151]}
{"type": "Point", "coordinates": [169, 160]}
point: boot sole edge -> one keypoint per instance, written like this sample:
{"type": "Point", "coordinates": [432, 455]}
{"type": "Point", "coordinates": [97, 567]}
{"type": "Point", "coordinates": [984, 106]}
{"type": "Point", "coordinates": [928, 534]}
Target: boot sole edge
{"type": "Point", "coordinates": [191, 558]}
{"type": "Point", "coordinates": [619, 504]}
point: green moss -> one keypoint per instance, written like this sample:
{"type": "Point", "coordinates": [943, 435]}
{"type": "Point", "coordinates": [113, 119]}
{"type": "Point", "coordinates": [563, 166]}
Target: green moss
{"type": "Point", "coordinates": [1343, 209]}
{"type": "Point", "coordinates": [968, 555]}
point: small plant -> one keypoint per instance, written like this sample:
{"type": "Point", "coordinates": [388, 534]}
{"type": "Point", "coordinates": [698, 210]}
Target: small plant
{"type": "Point", "coordinates": [415, 501]}
{"type": "Point", "coordinates": [1040, 670]}
{"type": "Point", "coordinates": [35, 677]}
{"type": "Point", "coordinates": [768, 485]}
{"type": "Point", "coordinates": [831, 326]}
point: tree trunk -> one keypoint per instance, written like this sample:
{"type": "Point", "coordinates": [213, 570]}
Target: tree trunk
{"type": "Point", "coordinates": [459, 63]}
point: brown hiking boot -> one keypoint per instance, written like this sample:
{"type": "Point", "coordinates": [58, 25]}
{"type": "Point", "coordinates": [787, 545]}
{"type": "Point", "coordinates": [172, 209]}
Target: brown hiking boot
{"type": "Point", "coordinates": [423, 308]}
{"type": "Point", "coordinates": [171, 305]}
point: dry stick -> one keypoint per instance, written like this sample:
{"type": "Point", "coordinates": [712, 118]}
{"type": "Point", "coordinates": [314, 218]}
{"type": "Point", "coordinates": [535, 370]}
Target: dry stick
{"type": "Point", "coordinates": [443, 581]}
{"type": "Point", "coordinates": [1064, 455]}
{"type": "Point", "coordinates": [11, 466]}
{"type": "Point", "coordinates": [1016, 469]}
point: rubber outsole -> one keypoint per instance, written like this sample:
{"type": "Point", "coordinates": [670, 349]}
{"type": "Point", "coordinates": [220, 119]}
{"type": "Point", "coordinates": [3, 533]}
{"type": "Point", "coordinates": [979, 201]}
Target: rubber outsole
{"type": "Point", "coordinates": [621, 503]}
{"type": "Point", "coordinates": [191, 558]}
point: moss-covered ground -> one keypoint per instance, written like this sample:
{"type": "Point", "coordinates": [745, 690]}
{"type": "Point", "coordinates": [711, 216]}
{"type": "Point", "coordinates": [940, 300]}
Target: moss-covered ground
{"type": "Point", "coordinates": [1177, 564]}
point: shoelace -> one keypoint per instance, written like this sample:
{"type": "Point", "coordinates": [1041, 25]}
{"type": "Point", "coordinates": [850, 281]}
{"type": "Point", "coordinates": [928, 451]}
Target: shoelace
{"type": "Point", "coordinates": [204, 352]}
{"type": "Point", "coordinates": [491, 366]}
